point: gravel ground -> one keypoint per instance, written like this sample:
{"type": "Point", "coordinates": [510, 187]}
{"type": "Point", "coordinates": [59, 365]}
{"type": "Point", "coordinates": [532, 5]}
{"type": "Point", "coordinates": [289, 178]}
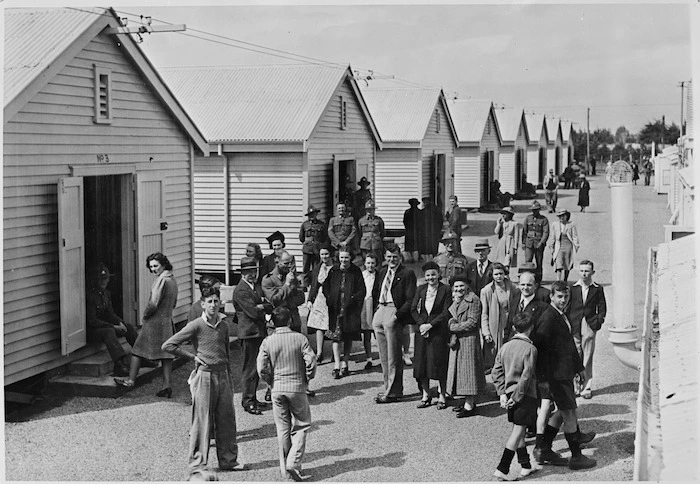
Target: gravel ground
{"type": "Point", "coordinates": [139, 437]}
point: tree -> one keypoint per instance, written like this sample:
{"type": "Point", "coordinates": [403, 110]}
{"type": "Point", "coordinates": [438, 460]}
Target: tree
{"type": "Point", "coordinates": [621, 135]}
{"type": "Point", "coordinates": [657, 132]}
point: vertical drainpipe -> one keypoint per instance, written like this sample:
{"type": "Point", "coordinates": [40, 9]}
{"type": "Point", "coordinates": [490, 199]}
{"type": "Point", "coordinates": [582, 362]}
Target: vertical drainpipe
{"type": "Point", "coordinates": [227, 209]}
{"type": "Point", "coordinates": [624, 333]}
{"type": "Point", "coordinates": [192, 254]}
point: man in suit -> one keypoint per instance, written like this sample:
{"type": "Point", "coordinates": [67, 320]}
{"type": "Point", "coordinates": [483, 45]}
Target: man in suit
{"type": "Point", "coordinates": [587, 314]}
{"type": "Point", "coordinates": [480, 271]}
{"type": "Point", "coordinates": [287, 363]}
{"type": "Point", "coordinates": [551, 186]}
{"type": "Point", "coordinates": [281, 287]}
{"type": "Point", "coordinates": [454, 219]}
{"type": "Point", "coordinates": [558, 363]}
{"type": "Point", "coordinates": [535, 235]}
{"type": "Point", "coordinates": [251, 307]}
{"type": "Point", "coordinates": [394, 288]}
{"type": "Point", "coordinates": [542, 293]}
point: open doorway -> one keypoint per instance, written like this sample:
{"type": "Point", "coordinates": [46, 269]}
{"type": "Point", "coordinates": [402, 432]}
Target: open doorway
{"type": "Point", "coordinates": [344, 182]}
{"type": "Point", "coordinates": [542, 168]}
{"type": "Point", "coordinates": [557, 161]}
{"type": "Point", "coordinates": [519, 169]}
{"type": "Point", "coordinates": [438, 183]}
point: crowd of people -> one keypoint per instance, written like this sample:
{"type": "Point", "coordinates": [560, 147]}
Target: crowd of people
{"type": "Point", "coordinates": [470, 317]}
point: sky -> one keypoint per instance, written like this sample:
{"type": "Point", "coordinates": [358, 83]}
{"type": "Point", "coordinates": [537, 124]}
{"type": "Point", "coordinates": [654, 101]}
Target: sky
{"type": "Point", "coordinates": [624, 61]}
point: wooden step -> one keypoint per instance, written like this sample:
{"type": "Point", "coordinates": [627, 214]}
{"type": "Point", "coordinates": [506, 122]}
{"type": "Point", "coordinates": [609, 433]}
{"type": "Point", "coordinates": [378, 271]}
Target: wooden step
{"type": "Point", "coordinates": [98, 364]}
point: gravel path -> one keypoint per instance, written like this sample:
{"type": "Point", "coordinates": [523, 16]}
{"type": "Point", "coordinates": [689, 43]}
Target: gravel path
{"type": "Point", "coordinates": [139, 437]}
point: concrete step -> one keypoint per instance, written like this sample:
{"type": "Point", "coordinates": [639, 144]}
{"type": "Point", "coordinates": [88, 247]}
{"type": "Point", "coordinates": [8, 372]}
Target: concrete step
{"type": "Point", "coordinates": [98, 364]}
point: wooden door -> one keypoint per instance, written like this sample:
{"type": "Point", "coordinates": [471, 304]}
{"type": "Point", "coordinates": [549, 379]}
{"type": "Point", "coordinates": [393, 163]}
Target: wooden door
{"type": "Point", "coordinates": [71, 263]}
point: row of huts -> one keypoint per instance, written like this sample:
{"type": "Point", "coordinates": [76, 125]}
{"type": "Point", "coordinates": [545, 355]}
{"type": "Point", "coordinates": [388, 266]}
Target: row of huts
{"type": "Point", "coordinates": [107, 159]}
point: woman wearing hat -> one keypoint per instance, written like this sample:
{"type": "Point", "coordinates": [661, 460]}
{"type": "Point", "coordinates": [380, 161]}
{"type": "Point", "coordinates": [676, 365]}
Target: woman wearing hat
{"type": "Point", "coordinates": [509, 234]}
{"type": "Point", "coordinates": [430, 312]}
{"type": "Point", "coordinates": [563, 240]}
{"type": "Point", "coordinates": [276, 241]}
{"type": "Point", "coordinates": [583, 192]}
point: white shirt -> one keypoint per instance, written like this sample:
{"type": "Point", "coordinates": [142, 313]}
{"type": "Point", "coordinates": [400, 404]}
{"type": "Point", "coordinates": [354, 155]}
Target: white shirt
{"type": "Point", "coordinates": [369, 282]}
{"type": "Point", "coordinates": [389, 297]}
{"type": "Point", "coordinates": [430, 296]}
{"type": "Point", "coordinates": [526, 300]}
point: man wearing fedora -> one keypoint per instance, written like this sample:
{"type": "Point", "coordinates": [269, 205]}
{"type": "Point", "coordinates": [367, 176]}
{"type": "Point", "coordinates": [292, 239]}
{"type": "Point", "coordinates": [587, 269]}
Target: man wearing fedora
{"type": "Point", "coordinates": [480, 271]}
{"type": "Point", "coordinates": [341, 228]}
{"type": "Point", "coordinates": [362, 196]}
{"type": "Point", "coordinates": [371, 232]}
{"type": "Point", "coordinates": [312, 234]}
{"type": "Point", "coordinates": [535, 235]}
{"type": "Point", "coordinates": [103, 324]}
{"type": "Point", "coordinates": [251, 307]}
{"type": "Point", "coordinates": [451, 262]}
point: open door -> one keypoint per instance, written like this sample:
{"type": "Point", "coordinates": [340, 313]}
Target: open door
{"type": "Point", "coordinates": [150, 213]}
{"type": "Point", "coordinates": [344, 180]}
{"type": "Point", "coordinates": [71, 263]}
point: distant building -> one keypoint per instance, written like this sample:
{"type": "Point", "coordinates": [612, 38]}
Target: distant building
{"type": "Point", "coordinates": [417, 156]}
{"type": "Point", "coordinates": [554, 145]}
{"type": "Point", "coordinates": [567, 139]}
{"type": "Point", "coordinates": [536, 148]}
{"type": "Point", "coordinates": [97, 167]}
{"type": "Point", "coordinates": [476, 156]}
{"type": "Point", "coordinates": [512, 156]}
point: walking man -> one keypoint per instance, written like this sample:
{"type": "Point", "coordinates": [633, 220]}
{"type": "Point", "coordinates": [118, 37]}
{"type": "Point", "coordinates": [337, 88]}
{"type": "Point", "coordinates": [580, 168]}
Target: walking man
{"type": "Point", "coordinates": [287, 363]}
{"type": "Point", "coordinates": [587, 314]}
{"type": "Point", "coordinates": [535, 235]}
{"type": "Point", "coordinates": [551, 186]}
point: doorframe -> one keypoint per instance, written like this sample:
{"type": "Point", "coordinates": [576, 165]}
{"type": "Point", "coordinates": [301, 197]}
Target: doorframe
{"type": "Point", "coordinates": [337, 159]}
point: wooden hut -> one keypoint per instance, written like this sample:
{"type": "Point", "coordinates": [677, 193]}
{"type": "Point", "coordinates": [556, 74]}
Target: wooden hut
{"type": "Point", "coordinates": [554, 145]}
{"type": "Point", "coordinates": [536, 148]}
{"type": "Point", "coordinates": [281, 138]}
{"type": "Point", "coordinates": [512, 159]}
{"type": "Point", "coordinates": [418, 145]}
{"type": "Point", "coordinates": [567, 140]}
{"type": "Point", "coordinates": [476, 156]}
{"type": "Point", "coordinates": [97, 167]}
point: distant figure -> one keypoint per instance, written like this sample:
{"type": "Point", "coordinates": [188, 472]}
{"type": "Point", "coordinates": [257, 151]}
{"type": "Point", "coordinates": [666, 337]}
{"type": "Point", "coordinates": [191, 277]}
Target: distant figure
{"type": "Point", "coordinates": [276, 241]}
{"type": "Point", "coordinates": [312, 235]}
{"type": "Point", "coordinates": [509, 233]}
{"type": "Point", "coordinates": [583, 192]}
{"type": "Point", "coordinates": [575, 172]}
{"type": "Point", "coordinates": [372, 232]}
{"type": "Point", "coordinates": [608, 172]}
{"type": "Point", "coordinates": [563, 240]}
{"type": "Point", "coordinates": [497, 197]}
{"type": "Point", "coordinates": [361, 197]}
{"type": "Point", "coordinates": [414, 230]}
{"type": "Point", "coordinates": [568, 174]}
{"type": "Point", "coordinates": [454, 219]}
{"type": "Point", "coordinates": [648, 169]}
{"type": "Point", "coordinates": [551, 186]}
{"type": "Point", "coordinates": [635, 172]}
{"type": "Point", "coordinates": [593, 163]}
{"type": "Point", "coordinates": [527, 190]}
{"type": "Point", "coordinates": [431, 221]}
{"type": "Point", "coordinates": [535, 235]}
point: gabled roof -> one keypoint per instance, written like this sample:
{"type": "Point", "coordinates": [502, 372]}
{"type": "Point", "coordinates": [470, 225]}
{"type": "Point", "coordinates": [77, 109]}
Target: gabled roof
{"type": "Point", "coordinates": [401, 114]}
{"type": "Point", "coordinates": [509, 120]}
{"type": "Point", "coordinates": [470, 117]}
{"type": "Point", "coordinates": [552, 129]}
{"type": "Point", "coordinates": [534, 126]}
{"type": "Point", "coordinates": [279, 103]}
{"type": "Point", "coordinates": [565, 130]}
{"type": "Point", "coordinates": [39, 43]}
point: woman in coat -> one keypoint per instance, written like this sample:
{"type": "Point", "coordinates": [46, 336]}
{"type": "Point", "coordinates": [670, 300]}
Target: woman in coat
{"type": "Point", "coordinates": [368, 274]}
{"type": "Point", "coordinates": [345, 294]}
{"type": "Point", "coordinates": [430, 311]}
{"type": "Point", "coordinates": [157, 324]}
{"type": "Point", "coordinates": [583, 193]}
{"type": "Point", "coordinates": [318, 309]}
{"type": "Point", "coordinates": [499, 302]}
{"type": "Point", "coordinates": [414, 229]}
{"type": "Point", "coordinates": [563, 239]}
{"type": "Point", "coordinates": [509, 234]}
{"type": "Point", "coordinates": [465, 371]}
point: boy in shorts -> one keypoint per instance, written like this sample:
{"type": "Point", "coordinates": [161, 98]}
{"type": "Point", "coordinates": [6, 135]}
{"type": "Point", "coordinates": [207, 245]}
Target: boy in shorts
{"type": "Point", "coordinates": [514, 378]}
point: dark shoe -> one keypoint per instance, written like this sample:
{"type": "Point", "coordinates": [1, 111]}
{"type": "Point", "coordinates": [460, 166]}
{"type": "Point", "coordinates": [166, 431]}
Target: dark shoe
{"type": "Point", "coordinates": [124, 383]}
{"type": "Point", "coordinates": [548, 456]}
{"type": "Point", "coordinates": [252, 409]}
{"type": "Point", "coordinates": [268, 395]}
{"type": "Point", "coordinates": [310, 393]}
{"type": "Point", "coordinates": [581, 462]}
{"type": "Point", "coordinates": [345, 372]}
{"type": "Point", "coordinates": [424, 403]}
{"type": "Point", "coordinates": [165, 392]}
{"type": "Point", "coordinates": [585, 437]}
{"type": "Point", "coordinates": [149, 363]}
{"type": "Point", "coordinates": [441, 405]}
{"type": "Point", "coordinates": [368, 366]}
{"type": "Point", "coordinates": [336, 374]}
{"type": "Point", "coordinates": [385, 399]}
{"type": "Point", "coordinates": [457, 408]}
{"type": "Point", "coordinates": [236, 467]}
{"type": "Point", "coordinates": [319, 359]}
{"type": "Point", "coordinates": [296, 474]}
{"type": "Point", "coordinates": [529, 433]}
{"type": "Point", "coordinates": [120, 369]}
{"type": "Point", "coordinates": [463, 412]}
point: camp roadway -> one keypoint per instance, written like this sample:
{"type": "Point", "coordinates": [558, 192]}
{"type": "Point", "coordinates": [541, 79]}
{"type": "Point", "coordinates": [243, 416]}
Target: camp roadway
{"type": "Point", "coordinates": [139, 437]}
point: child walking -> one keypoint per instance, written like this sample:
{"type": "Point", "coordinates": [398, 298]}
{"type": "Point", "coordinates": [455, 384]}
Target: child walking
{"type": "Point", "coordinates": [210, 384]}
{"type": "Point", "coordinates": [514, 378]}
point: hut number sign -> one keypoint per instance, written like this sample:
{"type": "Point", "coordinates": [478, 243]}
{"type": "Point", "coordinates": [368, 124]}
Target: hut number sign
{"type": "Point", "coordinates": [103, 158]}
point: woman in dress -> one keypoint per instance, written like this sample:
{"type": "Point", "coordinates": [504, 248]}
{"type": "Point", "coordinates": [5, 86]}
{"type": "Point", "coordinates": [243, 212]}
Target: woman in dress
{"type": "Point", "coordinates": [509, 234]}
{"type": "Point", "coordinates": [430, 311]}
{"type": "Point", "coordinates": [499, 302]}
{"type": "Point", "coordinates": [157, 324]}
{"type": "Point", "coordinates": [345, 294]}
{"type": "Point", "coordinates": [563, 239]}
{"type": "Point", "coordinates": [368, 274]}
{"type": "Point", "coordinates": [411, 222]}
{"type": "Point", "coordinates": [253, 250]}
{"type": "Point", "coordinates": [465, 371]}
{"type": "Point", "coordinates": [583, 191]}
{"type": "Point", "coordinates": [318, 309]}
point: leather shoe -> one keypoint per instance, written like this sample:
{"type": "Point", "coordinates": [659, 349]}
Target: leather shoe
{"type": "Point", "coordinates": [368, 366]}
{"type": "Point", "coordinates": [423, 404]}
{"type": "Point", "coordinates": [336, 374]}
{"type": "Point", "coordinates": [386, 399]}
{"type": "Point", "coordinates": [252, 409]}
{"type": "Point", "coordinates": [236, 467]}
{"type": "Point", "coordinates": [345, 372]}
{"type": "Point", "coordinates": [310, 393]}
{"type": "Point", "coordinates": [268, 395]}
{"type": "Point", "coordinates": [548, 456]}
{"type": "Point", "coordinates": [585, 437]}
{"type": "Point", "coordinates": [121, 369]}
{"type": "Point", "coordinates": [296, 474]}
{"type": "Point", "coordinates": [579, 462]}
{"type": "Point", "coordinates": [587, 394]}
{"type": "Point", "coordinates": [463, 412]}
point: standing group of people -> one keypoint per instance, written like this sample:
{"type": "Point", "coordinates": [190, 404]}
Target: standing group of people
{"type": "Point", "coordinates": [424, 227]}
{"type": "Point", "coordinates": [574, 178]}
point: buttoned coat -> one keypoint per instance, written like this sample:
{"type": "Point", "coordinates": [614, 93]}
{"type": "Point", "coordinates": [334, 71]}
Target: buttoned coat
{"type": "Point", "coordinates": [454, 220]}
{"type": "Point", "coordinates": [342, 230]}
{"type": "Point", "coordinates": [431, 352]}
{"type": "Point", "coordinates": [282, 295]}
{"type": "Point", "coordinates": [491, 312]}
{"type": "Point", "coordinates": [371, 233]}
{"type": "Point", "coordinates": [477, 282]}
{"type": "Point", "coordinates": [594, 308]}
{"type": "Point", "coordinates": [344, 307]}
{"type": "Point", "coordinates": [535, 231]}
{"type": "Point", "coordinates": [557, 356]}
{"type": "Point", "coordinates": [251, 319]}
{"type": "Point", "coordinates": [312, 234]}
{"type": "Point", "coordinates": [556, 232]}
{"type": "Point", "coordinates": [403, 289]}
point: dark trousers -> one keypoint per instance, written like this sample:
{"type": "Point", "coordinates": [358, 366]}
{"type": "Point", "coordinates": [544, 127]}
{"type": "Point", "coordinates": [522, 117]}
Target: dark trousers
{"type": "Point", "coordinates": [647, 178]}
{"type": "Point", "coordinates": [108, 336]}
{"type": "Point", "coordinates": [309, 260]}
{"type": "Point", "coordinates": [249, 373]}
{"type": "Point", "coordinates": [538, 253]}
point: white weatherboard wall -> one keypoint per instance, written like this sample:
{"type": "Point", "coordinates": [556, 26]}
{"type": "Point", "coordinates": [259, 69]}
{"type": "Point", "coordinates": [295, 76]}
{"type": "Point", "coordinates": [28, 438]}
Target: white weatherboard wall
{"type": "Point", "coordinates": [209, 215]}
{"type": "Point", "coordinates": [506, 172]}
{"type": "Point", "coordinates": [467, 175]}
{"type": "Point", "coordinates": [396, 177]}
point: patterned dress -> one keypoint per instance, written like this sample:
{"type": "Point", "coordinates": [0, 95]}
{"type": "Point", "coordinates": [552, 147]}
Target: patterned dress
{"type": "Point", "coordinates": [158, 319]}
{"type": "Point", "coordinates": [465, 371]}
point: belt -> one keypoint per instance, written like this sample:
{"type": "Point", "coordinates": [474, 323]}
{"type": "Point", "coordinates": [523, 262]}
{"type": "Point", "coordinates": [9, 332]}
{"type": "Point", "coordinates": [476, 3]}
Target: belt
{"type": "Point", "coordinates": [214, 368]}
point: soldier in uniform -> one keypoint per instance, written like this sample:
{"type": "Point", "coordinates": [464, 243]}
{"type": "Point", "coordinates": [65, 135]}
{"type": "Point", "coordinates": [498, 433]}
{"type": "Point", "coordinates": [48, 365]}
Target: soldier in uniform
{"type": "Point", "coordinates": [341, 229]}
{"type": "Point", "coordinates": [362, 196]}
{"type": "Point", "coordinates": [371, 232]}
{"type": "Point", "coordinates": [451, 262]}
{"type": "Point", "coordinates": [313, 234]}
{"type": "Point", "coordinates": [535, 235]}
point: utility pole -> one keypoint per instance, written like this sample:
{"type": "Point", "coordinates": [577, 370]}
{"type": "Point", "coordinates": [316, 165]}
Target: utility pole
{"type": "Point", "coordinates": [663, 128]}
{"type": "Point", "coordinates": [588, 140]}
{"type": "Point", "coordinates": [682, 100]}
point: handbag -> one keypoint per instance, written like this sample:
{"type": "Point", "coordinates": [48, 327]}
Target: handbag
{"type": "Point", "coordinates": [454, 342]}
{"type": "Point", "coordinates": [488, 354]}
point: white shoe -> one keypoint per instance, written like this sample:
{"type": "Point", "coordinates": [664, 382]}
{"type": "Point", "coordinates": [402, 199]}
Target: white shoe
{"type": "Point", "coordinates": [407, 360]}
{"type": "Point", "coordinates": [504, 477]}
{"type": "Point", "coordinates": [526, 472]}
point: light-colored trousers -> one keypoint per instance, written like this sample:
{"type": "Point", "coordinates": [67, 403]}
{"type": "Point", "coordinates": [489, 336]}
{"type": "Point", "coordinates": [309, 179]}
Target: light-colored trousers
{"type": "Point", "coordinates": [389, 335]}
{"type": "Point", "coordinates": [585, 344]}
{"type": "Point", "coordinates": [292, 416]}
{"type": "Point", "coordinates": [212, 402]}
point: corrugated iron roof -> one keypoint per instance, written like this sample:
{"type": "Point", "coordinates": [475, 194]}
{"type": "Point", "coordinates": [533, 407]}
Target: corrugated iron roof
{"type": "Point", "coordinates": [469, 117]}
{"type": "Point", "coordinates": [255, 103]}
{"type": "Point", "coordinates": [552, 128]}
{"type": "Point", "coordinates": [509, 122]}
{"type": "Point", "coordinates": [678, 358]}
{"type": "Point", "coordinates": [565, 130]}
{"type": "Point", "coordinates": [400, 113]}
{"type": "Point", "coordinates": [34, 38]}
{"type": "Point", "coordinates": [534, 126]}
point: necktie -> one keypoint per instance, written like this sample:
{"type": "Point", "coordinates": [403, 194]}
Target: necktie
{"type": "Point", "coordinates": [481, 269]}
{"type": "Point", "coordinates": [521, 306]}
{"type": "Point", "coordinates": [566, 320]}
{"type": "Point", "coordinates": [387, 285]}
